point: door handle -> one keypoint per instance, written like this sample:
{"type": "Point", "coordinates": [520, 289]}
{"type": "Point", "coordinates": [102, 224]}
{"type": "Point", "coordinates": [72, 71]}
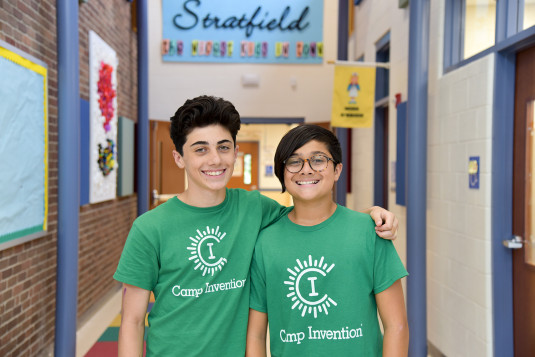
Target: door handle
{"type": "Point", "coordinates": [516, 242]}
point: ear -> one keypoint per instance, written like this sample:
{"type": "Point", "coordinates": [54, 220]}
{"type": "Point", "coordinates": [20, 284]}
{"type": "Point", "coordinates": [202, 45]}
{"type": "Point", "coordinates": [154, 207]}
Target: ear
{"type": "Point", "coordinates": [337, 172]}
{"type": "Point", "coordinates": [179, 159]}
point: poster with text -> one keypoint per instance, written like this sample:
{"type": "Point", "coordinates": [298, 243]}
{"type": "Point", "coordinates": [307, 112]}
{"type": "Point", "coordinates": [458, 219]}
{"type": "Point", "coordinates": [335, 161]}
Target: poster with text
{"type": "Point", "coordinates": [231, 31]}
{"type": "Point", "coordinates": [353, 97]}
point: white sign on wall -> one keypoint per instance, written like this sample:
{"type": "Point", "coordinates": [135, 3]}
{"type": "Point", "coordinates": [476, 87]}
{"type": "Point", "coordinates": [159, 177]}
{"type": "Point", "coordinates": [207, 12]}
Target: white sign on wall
{"type": "Point", "coordinates": [103, 120]}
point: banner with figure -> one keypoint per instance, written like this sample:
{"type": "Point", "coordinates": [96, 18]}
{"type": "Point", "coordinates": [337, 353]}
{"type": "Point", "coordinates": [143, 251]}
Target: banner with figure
{"type": "Point", "coordinates": [353, 97]}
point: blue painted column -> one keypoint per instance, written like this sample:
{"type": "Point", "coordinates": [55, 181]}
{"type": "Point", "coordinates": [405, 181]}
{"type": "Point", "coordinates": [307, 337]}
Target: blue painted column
{"type": "Point", "coordinates": [417, 176]}
{"type": "Point", "coordinates": [142, 144]}
{"type": "Point", "coordinates": [341, 133]}
{"type": "Point", "coordinates": [68, 177]}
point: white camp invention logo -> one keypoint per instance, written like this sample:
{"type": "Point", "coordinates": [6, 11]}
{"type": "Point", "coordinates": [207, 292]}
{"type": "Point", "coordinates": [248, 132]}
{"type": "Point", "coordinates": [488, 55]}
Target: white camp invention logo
{"type": "Point", "coordinates": [303, 285]}
{"type": "Point", "coordinates": [204, 252]}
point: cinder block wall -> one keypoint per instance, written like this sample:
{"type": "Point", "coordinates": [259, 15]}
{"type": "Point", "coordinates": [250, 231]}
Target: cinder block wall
{"type": "Point", "coordinates": [28, 271]}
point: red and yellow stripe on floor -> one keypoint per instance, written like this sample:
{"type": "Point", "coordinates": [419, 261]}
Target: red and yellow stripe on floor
{"type": "Point", "coordinates": [107, 345]}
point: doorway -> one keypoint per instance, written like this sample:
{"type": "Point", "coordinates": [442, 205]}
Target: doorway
{"type": "Point", "coordinates": [245, 173]}
{"type": "Point", "coordinates": [523, 201]}
{"type": "Point", "coordinates": [166, 179]}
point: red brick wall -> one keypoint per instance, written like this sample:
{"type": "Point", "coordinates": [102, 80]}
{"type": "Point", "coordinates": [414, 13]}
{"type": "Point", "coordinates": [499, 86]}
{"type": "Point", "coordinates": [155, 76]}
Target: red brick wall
{"type": "Point", "coordinates": [104, 226]}
{"type": "Point", "coordinates": [28, 271]}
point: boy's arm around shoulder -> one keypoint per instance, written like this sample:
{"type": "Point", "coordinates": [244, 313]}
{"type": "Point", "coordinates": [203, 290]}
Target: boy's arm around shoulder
{"type": "Point", "coordinates": [386, 223]}
{"type": "Point", "coordinates": [133, 311]}
{"type": "Point", "coordinates": [391, 306]}
{"type": "Point", "coordinates": [256, 334]}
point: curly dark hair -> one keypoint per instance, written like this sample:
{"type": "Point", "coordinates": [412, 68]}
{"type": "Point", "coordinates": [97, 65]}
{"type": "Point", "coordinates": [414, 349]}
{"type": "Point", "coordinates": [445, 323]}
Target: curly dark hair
{"type": "Point", "coordinates": [200, 112]}
{"type": "Point", "coordinates": [298, 137]}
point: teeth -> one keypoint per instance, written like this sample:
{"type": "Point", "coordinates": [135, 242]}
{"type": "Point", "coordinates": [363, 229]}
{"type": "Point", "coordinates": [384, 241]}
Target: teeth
{"type": "Point", "coordinates": [214, 173]}
{"type": "Point", "coordinates": [307, 182]}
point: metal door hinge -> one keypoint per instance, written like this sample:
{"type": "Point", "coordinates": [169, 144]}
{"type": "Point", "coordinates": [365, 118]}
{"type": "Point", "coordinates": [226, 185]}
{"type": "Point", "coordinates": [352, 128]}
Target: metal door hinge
{"type": "Point", "coordinates": [516, 242]}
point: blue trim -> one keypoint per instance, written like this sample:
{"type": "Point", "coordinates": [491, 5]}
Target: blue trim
{"type": "Point", "coordinates": [448, 33]}
{"type": "Point", "coordinates": [401, 154]}
{"type": "Point", "coordinates": [502, 203]}
{"type": "Point", "coordinates": [341, 133]}
{"type": "Point", "coordinates": [518, 41]}
{"type": "Point", "coordinates": [142, 144]}
{"type": "Point", "coordinates": [518, 8]}
{"type": "Point", "coordinates": [68, 178]}
{"type": "Point", "coordinates": [382, 75]}
{"type": "Point", "coordinates": [378, 155]}
{"type": "Point", "coordinates": [272, 120]}
{"type": "Point", "coordinates": [502, 21]}
{"type": "Point", "coordinates": [84, 152]}
{"type": "Point", "coordinates": [417, 175]}
{"type": "Point", "coordinates": [382, 42]}
{"type": "Point", "coordinates": [470, 59]}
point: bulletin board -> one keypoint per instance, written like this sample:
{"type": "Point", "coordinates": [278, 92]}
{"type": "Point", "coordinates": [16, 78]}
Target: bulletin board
{"type": "Point", "coordinates": [23, 147]}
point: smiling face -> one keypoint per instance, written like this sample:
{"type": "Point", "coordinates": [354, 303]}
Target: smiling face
{"type": "Point", "coordinates": [308, 185]}
{"type": "Point", "coordinates": [209, 156]}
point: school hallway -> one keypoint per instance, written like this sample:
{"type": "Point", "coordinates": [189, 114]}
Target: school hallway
{"type": "Point", "coordinates": [432, 102]}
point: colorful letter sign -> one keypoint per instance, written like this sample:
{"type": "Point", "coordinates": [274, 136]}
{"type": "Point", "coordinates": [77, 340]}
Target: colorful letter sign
{"type": "Point", "coordinates": [255, 31]}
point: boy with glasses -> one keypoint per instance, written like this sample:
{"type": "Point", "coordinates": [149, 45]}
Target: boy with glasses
{"type": "Point", "coordinates": [320, 273]}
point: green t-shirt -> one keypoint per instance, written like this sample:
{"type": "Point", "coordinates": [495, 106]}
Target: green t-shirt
{"type": "Point", "coordinates": [318, 284]}
{"type": "Point", "coordinates": [196, 261]}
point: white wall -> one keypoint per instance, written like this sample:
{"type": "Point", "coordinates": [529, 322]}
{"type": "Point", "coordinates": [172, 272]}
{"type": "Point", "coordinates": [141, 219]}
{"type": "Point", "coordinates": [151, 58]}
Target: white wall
{"type": "Point", "coordinates": [458, 219]}
{"type": "Point", "coordinates": [459, 275]}
{"type": "Point", "coordinates": [170, 84]}
{"type": "Point", "coordinates": [374, 19]}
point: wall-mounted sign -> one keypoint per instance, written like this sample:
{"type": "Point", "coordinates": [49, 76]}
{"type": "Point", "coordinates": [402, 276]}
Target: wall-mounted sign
{"type": "Point", "coordinates": [255, 31]}
{"type": "Point", "coordinates": [473, 172]}
{"type": "Point", "coordinates": [353, 97]}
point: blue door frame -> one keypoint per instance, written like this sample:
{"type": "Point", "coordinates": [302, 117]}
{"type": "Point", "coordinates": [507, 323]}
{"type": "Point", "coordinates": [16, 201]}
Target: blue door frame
{"type": "Point", "coordinates": [502, 188]}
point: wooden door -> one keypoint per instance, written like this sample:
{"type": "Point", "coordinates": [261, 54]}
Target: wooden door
{"type": "Point", "coordinates": [166, 179]}
{"type": "Point", "coordinates": [246, 168]}
{"type": "Point", "coordinates": [523, 200]}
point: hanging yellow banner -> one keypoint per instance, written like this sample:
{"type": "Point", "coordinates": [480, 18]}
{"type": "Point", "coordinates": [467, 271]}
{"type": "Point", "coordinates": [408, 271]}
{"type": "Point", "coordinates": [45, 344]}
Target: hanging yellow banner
{"type": "Point", "coordinates": [353, 97]}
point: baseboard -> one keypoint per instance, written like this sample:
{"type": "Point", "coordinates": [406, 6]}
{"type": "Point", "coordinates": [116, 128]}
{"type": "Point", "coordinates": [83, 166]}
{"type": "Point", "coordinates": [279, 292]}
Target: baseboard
{"type": "Point", "coordinates": [94, 326]}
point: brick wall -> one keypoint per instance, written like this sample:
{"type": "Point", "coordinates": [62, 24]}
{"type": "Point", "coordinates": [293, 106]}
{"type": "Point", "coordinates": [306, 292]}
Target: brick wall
{"type": "Point", "coordinates": [104, 226]}
{"type": "Point", "coordinates": [28, 271]}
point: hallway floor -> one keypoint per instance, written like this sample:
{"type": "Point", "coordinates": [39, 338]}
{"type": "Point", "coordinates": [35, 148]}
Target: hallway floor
{"type": "Point", "coordinates": [106, 345]}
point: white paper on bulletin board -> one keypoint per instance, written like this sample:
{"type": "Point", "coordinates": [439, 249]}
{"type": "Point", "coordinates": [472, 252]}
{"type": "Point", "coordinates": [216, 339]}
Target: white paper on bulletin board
{"type": "Point", "coordinates": [102, 120]}
{"type": "Point", "coordinates": [23, 147]}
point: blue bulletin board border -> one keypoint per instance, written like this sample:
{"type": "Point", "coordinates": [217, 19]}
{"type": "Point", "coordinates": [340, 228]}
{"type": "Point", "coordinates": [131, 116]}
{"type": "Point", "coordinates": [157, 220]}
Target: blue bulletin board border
{"type": "Point", "coordinates": [237, 31]}
{"type": "Point", "coordinates": [19, 57]}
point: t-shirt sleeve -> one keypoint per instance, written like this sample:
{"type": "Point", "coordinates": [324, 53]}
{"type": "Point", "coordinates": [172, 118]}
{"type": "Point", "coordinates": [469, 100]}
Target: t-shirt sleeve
{"type": "Point", "coordinates": [257, 299]}
{"type": "Point", "coordinates": [138, 265]}
{"type": "Point", "coordinates": [272, 211]}
{"type": "Point", "coordinates": [387, 265]}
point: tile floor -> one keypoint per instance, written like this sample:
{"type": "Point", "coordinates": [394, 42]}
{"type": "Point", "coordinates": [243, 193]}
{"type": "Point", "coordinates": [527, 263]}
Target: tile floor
{"type": "Point", "coordinates": [106, 346]}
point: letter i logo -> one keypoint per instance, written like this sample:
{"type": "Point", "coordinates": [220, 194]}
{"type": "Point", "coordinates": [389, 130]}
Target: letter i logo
{"type": "Point", "coordinates": [204, 251]}
{"type": "Point", "coordinates": [303, 283]}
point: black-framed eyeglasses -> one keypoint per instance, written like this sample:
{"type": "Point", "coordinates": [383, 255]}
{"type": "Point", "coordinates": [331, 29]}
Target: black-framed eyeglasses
{"type": "Point", "coordinates": [317, 163]}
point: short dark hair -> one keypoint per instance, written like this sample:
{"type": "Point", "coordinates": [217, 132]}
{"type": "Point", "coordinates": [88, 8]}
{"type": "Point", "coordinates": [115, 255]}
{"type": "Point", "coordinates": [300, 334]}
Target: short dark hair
{"type": "Point", "coordinates": [298, 137]}
{"type": "Point", "coordinates": [200, 112]}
